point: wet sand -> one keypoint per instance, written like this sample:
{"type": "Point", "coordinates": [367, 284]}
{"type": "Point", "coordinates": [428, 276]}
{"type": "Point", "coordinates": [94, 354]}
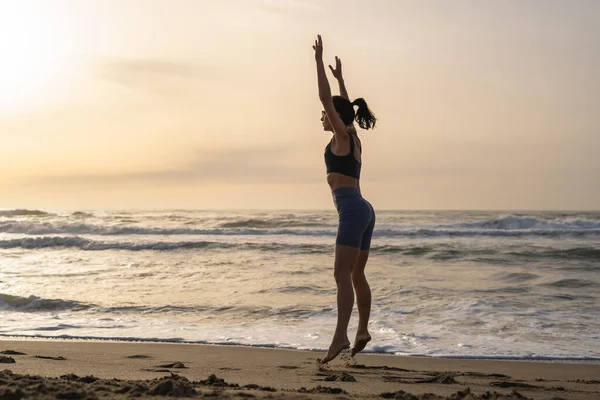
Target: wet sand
{"type": "Point", "coordinates": [121, 370]}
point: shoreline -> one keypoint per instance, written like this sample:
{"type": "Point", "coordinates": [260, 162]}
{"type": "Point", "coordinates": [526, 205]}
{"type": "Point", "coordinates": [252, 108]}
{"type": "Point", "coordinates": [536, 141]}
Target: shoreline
{"type": "Point", "coordinates": [284, 370]}
{"type": "Point", "coordinates": [544, 359]}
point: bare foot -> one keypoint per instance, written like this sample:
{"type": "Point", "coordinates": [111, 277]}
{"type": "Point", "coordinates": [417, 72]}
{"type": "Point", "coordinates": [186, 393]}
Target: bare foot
{"type": "Point", "coordinates": [360, 342]}
{"type": "Point", "coordinates": [337, 346]}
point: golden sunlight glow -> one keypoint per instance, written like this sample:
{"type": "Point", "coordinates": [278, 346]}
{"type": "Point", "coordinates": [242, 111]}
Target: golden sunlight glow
{"type": "Point", "coordinates": [34, 55]}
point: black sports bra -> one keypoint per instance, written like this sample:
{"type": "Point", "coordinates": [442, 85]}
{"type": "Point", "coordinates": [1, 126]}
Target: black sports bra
{"type": "Point", "coordinates": [346, 165]}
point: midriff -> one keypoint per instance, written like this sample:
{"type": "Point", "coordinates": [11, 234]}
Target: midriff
{"type": "Point", "coordinates": [337, 180]}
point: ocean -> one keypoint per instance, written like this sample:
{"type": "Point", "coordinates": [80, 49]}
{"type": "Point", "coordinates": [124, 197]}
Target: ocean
{"type": "Point", "coordinates": [480, 284]}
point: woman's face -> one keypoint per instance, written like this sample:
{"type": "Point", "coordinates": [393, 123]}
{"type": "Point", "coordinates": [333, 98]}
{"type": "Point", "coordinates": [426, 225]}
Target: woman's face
{"type": "Point", "coordinates": [326, 124]}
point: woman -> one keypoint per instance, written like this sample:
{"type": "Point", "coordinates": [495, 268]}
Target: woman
{"type": "Point", "coordinates": [356, 215]}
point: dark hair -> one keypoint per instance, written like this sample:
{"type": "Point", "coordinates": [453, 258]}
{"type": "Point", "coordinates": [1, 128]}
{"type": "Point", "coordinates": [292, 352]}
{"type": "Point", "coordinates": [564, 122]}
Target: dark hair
{"type": "Point", "coordinates": [363, 116]}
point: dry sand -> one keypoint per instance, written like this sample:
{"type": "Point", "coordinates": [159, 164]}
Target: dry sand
{"type": "Point", "coordinates": [121, 370]}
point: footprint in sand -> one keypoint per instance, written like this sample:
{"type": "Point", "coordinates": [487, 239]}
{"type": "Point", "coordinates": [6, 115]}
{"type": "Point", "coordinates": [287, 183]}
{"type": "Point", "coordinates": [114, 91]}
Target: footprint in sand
{"type": "Point", "coordinates": [59, 358]}
{"type": "Point", "coordinates": [446, 379]}
{"type": "Point", "coordinates": [484, 375]}
{"type": "Point", "coordinates": [343, 377]}
{"type": "Point", "coordinates": [13, 353]}
{"type": "Point", "coordinates": [139, 356]}
{"type": "Point", "coordinates": [173, 365]}
{"type": "Point", "coordinates": [508, 384]}
{"type": "Point", "coordinates": [323, 390]}
{"type": "Point", "coordinates": [263, 388]}
{"type": "Point", "coordinates": [382, 367]}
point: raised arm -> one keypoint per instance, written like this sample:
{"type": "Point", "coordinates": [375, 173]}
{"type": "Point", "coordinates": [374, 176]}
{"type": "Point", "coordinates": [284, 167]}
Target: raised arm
{"type": "Point", "coordinates": [339, 128]}
{"type": "Point", "coordinates": [337, 73]}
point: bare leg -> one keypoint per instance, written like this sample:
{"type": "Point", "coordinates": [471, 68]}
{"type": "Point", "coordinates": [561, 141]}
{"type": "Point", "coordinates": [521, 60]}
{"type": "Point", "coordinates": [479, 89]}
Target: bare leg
{"type": "Point", "coordinates": [345, 259]}
{"type": "Point", "coordinates": [363, 301]}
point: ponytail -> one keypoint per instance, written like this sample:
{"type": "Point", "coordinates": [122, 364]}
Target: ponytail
{"type": "Point", "coordinates": [364, 117]}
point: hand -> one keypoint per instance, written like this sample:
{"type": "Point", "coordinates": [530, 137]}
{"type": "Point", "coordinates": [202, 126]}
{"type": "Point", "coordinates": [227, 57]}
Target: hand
{"type": "Point", "coordinates": [337, 72]}
{"type": "Point", "coordinates": [318, 47]}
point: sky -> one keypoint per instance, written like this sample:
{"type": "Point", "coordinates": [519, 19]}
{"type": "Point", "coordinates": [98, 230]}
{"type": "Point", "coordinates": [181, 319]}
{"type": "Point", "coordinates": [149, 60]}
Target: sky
{"type": "Point", "coordinates": [197, 104]}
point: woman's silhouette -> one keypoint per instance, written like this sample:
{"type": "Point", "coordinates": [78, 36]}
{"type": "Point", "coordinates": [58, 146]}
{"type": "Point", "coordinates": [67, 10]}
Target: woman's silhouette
{"type": "Point", "coordinates": [356, 215]}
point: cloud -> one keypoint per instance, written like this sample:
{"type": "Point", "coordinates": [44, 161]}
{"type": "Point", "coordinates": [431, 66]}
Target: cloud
{"type": "Point", "coordinates": [259, 165]}
{"type": "Point", "coordinates": [166, 77]}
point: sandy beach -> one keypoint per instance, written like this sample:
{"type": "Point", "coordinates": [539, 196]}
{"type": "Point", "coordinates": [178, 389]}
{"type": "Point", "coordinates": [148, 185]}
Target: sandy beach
{"type": "Point", "coordinates": [208, 198]}
{"type": "Point", "coordinates": [93, 369]}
